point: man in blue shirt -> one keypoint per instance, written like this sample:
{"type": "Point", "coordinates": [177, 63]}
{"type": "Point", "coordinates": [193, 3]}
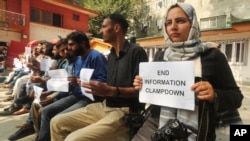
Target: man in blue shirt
{"type": "Point", "coordinates": [103, 120]}
{"type": "Point", "coordinates": [79, 46]}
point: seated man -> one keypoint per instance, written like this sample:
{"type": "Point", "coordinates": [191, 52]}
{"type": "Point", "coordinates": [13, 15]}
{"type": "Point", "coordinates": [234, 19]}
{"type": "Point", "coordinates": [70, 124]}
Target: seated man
{"type": "Point", "coordinates": [84, 57]}
{"type": "Point", "coordinates": [103, 120]}
{"type": "Point", "coordinates": [46, 98]}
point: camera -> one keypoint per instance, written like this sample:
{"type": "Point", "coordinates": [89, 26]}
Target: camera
{"type": "Point", "coordinates": [133, 120]}
{"type": "Point", "coordinates": [173, 130]}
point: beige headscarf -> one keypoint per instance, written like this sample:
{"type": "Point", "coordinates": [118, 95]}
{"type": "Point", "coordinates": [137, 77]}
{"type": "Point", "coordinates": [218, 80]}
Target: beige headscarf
{"type": "Point", "coordinates": [189, 49]}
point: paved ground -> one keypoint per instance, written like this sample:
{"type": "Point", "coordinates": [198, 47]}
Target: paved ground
{"type": "Point", "coordinates": [8, 123]}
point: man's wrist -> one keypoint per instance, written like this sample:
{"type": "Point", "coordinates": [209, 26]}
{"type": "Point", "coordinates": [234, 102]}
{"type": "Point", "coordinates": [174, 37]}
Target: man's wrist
{"type": "Point", "coordinates": [117, 91]}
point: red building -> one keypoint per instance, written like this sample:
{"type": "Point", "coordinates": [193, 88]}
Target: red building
{"type": "Point", "coordinates": [22, 21]}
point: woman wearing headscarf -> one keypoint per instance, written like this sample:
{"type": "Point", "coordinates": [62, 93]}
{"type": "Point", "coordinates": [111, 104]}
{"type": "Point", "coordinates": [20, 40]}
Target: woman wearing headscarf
{"type": "Point", "coordinates": [215, 88]}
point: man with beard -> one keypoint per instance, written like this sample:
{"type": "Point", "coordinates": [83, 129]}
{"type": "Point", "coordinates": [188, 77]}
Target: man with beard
{"type": "Point", "coordinates": [26, 129]}
{"type": "Point", "coordinates": [80, 56]}
{"type": "Point", "coordinates": [59, 62]}
{"type": "Point", "coordinates": [104, 120]}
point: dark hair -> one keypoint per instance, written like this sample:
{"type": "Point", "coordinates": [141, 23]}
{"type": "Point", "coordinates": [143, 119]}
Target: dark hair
{"type": "Point", "coordinates": [79, 37]}
{"type": "Point", "coordinates": [48, 50]}
{"type": "Point", "coordinates": [170, 8]}
{"type": "Point", "coordinates": [174, 6]}
{"type": "Point", "coordinates": [60, 42]}
{"type": "Point", "coordinates": [119, 19]}
{"type": "Point", "coordinates": [43, 42]}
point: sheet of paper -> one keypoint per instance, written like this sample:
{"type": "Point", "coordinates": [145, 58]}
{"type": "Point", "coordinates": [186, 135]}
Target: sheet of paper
{"type": "Point", "coordinates": [85, 75]}
{"type": "Point", "coordinates": [38, 92]}
{"type": "Point", "coordinates": [58, 85]}
{"type": "Point", "coordinates": [17, 63]}
{"type": "Point", "coordinates": [58, 74]}
{"type": "Point", "coordinates": [45, 64]}
{"type": "Point", "coordinates": [27, 53]}
{"type": "Point", "coordinates": [28, 50]}
{"type": "Point", "coordinates": [168, 84]}
{"type": "Point", "coordinates": [58, 80]}
{"type": "Point", "coordinates": [27, 57]}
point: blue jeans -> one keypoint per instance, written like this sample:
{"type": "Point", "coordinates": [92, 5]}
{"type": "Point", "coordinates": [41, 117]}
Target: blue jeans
{"type": "Point", "coordinates": [63, 105]}
{"type": "Point", "coordinates": [28, 120]}
{"type": "Point", "coordinates": [1, 69]}
{"type": "Point", "coordinates": [2, 78]}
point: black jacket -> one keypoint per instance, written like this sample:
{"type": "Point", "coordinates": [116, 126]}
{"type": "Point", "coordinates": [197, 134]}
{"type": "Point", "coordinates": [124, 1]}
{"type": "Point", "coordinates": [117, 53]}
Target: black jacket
{"type": "Point", "coordinates": [216, 70]}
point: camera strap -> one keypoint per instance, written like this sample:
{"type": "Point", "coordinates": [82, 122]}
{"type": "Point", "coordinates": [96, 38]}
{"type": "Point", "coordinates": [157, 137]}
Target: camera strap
{"type": "Point", "coordinates": [149, 111]}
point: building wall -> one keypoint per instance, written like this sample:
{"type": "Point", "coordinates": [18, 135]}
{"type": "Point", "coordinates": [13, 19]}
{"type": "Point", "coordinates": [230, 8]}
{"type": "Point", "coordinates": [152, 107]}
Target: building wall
{"type": "Point", "coordinates": [208, 8]}
{"type": "Point", "coordinates": [44, 32]}
{"type": "Point", "coordinates": [3, 4]}
{"type": "Point", "coordinates": [67, 14]}
{"type": "Point", "coordinates": [241, 72]}
{"type": "Point", "coordinates": [23, 34]}
{"type": "Point", "coordinates": [27, 33]}
{"type": "Point", "coordinates": [81, 25]}
{"type": "Point", "coordinates": [7, 36]}
{"type": "Point", "coordinates": [233, 10]}
{"type": "Point", "coordinates": [24, 6]}
{"type": "Point", "coordinates": [151, 19]}
{"type": "Point", "coordinates": [13, 5]}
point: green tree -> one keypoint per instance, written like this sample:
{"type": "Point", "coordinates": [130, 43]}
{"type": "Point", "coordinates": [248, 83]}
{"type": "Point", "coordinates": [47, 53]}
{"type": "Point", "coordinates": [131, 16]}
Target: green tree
{"type": "Point", "coordinates": [131, 9]}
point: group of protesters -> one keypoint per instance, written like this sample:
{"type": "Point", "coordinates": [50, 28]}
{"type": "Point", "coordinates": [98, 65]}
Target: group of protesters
{"type": "Point", "coordinates": [111, 114]}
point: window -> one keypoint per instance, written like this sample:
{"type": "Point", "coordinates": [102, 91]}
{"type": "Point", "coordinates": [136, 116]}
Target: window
{"type": "Point", "coordinates": [235, 52]}
{"type": "Point", "coordinates": [229, 52]}
{"type": "Point", "coordinates": [57, 20]}
{"type": "Point", "coordinates": [46, 17]}
{"type": "Point", "coordinates": [204, 23]}
{"type": "Point", "coordinates": [76, 17]}
{"type": "Point", "coordinates": [35, 15]}
{"type": "Point", "coordinates": [239, 52]}
{"type": "Point", "coordinates": [213, 22]}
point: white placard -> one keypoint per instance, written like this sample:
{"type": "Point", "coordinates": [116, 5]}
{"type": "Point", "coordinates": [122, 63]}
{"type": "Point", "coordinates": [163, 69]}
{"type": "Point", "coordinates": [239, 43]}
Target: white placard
{"type": "Point", "coordinates": [58, 80]}
{"type": "Point", "coordinates": [38, 92]}
{"type": "Point", "coordinates": [45, 64]}
{"type": "Point", "coordinates": [17, 63]}
{"type": "Point", "coordinates": [85, 75]}
{"type": "Point", "coordinates": [168, 84]}
{"type": "Point", "coordinates": [28, 51]}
